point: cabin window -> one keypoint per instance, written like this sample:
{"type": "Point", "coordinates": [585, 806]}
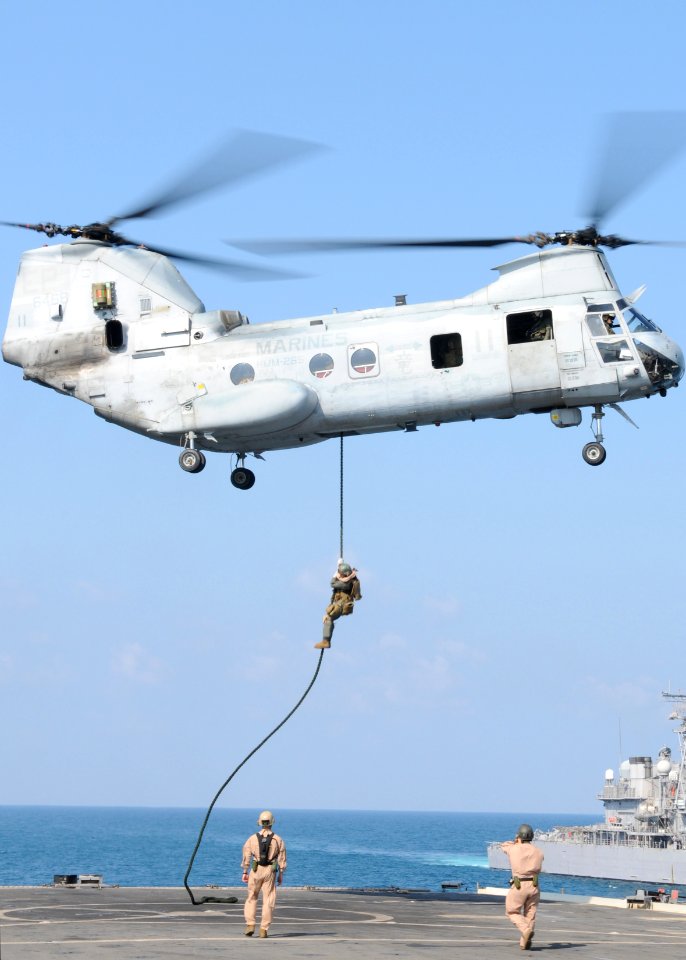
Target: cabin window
{"type": "Point", "coordinates": [446, 350]}
{"type": "Point", "coordinates": [363, 360]}
{"type": "Point", "coordinates": [530, 326]}
{"type": "Point", "coordinates": [321, 365]}
{"type": "Point", "coordinates": [114, 335]}
{"type": "Point", "coordinates": [242, 373]}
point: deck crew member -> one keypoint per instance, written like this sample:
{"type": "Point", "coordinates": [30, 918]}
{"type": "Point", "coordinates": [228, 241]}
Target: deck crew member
{"type": "Point", "coordinates": [346, 590]}
{"type": "Point", "coordinates": [522, 899]}
{"type": "Point", "coordinates": [264, 863]}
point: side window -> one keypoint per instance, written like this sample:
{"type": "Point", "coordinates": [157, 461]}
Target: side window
{"type": "Point", "coordinates": [530, 326]}
{"type": "Point", "coordinates": [446, 350]}
{"type": "Point", "coordinates": [242, 373]}
{"type": "Point", "coordinates": [321, 365]}
{"type": "Point", "coordinates": [363, 360]}
{"type": "Point", "coordinates": [114, 335]}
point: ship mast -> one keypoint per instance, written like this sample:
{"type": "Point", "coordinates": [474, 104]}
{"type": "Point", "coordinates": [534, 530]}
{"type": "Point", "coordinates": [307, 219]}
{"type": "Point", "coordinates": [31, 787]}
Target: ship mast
{"type": "Point", "coordinates": [679, 714]}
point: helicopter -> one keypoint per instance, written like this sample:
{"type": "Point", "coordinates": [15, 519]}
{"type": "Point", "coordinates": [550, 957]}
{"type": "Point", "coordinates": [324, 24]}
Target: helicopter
{"type": "Point", "coordinates": [112, 322]}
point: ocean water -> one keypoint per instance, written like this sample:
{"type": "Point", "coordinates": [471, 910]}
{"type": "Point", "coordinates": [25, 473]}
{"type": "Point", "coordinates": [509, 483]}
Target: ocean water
{"type": "Point", "coordinates": [142, 846]}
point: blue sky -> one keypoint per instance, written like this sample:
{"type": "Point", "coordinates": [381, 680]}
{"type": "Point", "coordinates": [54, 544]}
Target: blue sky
{"type": "Point", "coordinates": [522, 611]}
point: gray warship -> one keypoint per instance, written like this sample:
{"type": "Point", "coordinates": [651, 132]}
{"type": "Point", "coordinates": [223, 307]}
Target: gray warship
{"type": "Point", "coordinates": [643, 837]}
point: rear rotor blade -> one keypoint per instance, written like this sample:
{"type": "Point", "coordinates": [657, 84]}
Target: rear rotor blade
{"type": "Point", "coordinates": [241, 155]}
{"type": "Point", "coordinates": [50, 229]}
{"type": "Point", "coordinates": [636, 147]}
{"type": "Point", "coordinates": [316, 246]}
{"type": "Point", "coordinates": [239, 271]}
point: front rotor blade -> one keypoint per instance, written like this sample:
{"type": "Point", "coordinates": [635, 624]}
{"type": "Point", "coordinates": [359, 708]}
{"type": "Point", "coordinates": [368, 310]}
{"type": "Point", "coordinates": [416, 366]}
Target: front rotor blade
{"type": "Point", "coordinates": [636, 147]}
{"type": "Point", "coordinates": [241, 155]}
{"type": "Point", "coordinates": [316, 246]}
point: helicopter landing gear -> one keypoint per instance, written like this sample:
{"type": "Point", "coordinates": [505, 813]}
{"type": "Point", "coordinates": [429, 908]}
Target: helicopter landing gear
{"type": "Point", "coordinates": [190, 459]}
{"type": "Point", "coordinates": [241, 476]}
{"type": "Point", "coordinates": [595, 453]}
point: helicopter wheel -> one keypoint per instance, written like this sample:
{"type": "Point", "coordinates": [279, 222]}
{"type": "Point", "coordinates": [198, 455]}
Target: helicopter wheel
{"type": "Point", "coordinates": [594, 453]}
{"type": "Point", "coordinates": [192, 461]}
{"type": "Point", "coordinates": [242, 478]}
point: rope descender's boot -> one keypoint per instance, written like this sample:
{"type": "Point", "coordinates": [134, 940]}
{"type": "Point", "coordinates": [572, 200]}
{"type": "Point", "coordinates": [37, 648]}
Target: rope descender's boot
{"type": "Point", "coordinates": [327, 631]}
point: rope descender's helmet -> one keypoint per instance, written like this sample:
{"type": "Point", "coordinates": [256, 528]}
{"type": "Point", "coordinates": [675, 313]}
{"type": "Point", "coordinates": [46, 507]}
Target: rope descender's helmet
{"type": "Point", "coordinates": [266, 819]}
{"type": "Point", "coordinates": [344, 568]}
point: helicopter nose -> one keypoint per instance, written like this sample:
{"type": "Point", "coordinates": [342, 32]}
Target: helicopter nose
{"type": "Point", "coordinates": [663, 357]}
{"type": "Point", "coordinates": [675, 354]}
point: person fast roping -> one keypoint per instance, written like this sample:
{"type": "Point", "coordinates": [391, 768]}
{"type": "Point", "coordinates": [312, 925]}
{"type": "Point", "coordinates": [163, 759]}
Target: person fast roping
{"type": "Point", "coordinates": [346, 590]}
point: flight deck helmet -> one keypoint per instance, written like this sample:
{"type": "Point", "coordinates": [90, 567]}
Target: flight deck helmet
{"type": "Point", "coordinates": [525, 833]}
{"type": "Point", "coordinates": [266, 819]}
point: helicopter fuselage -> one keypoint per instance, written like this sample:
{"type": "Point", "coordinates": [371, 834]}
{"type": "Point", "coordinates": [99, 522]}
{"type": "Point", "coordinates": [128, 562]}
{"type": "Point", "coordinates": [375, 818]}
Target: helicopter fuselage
{"type": "Point", "coordinates": [121, 330]}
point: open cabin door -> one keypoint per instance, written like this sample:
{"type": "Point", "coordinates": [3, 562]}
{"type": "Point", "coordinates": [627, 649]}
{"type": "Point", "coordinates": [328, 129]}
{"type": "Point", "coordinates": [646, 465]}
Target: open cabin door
{"type": "Point", "coordinates": [532, 358]}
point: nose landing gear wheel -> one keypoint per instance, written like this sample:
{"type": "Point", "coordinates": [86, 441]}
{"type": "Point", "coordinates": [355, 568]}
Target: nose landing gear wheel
{"type": "Point", "coordinates": [192, 461]}
{"type": "Point", "coordinates": [594, 453]}
{"type": "Point", "coordinates": [242, 478]}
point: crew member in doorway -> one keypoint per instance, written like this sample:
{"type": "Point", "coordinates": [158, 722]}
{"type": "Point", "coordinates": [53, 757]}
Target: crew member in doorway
{"type": "Point", "coordinates": [522, 899]}
{"type": "Point", "coordinates": [346, 590]}
{"type": "Point", "coordinates": [264, 863]}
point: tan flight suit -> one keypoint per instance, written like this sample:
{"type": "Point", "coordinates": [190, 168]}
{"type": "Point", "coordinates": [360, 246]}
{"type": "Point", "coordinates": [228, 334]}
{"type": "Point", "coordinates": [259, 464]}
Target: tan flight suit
{"type": "Point", "coordinates": [345, 591]}
{"type": "Point", "coordinates": [263, 878]}
{"type": "Point", "coordinates": [526, 861]}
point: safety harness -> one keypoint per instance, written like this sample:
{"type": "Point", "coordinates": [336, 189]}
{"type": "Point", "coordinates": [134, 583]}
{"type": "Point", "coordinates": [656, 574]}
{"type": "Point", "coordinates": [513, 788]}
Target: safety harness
{"type": "Point", "coordinates": [264, 845]}
{"type": "Point", "coordinates": [516, 882]}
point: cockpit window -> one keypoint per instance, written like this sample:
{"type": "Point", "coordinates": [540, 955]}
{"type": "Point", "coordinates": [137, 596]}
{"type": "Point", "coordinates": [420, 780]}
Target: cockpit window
{"type": "Point", "coordinates": [614, 351]}
{"type": "Point", "coordinates": [601, 308]}
{"type": "Point", "coordinates": [603, 324]}
{"type": "Point", "coordinates": [637, 323]}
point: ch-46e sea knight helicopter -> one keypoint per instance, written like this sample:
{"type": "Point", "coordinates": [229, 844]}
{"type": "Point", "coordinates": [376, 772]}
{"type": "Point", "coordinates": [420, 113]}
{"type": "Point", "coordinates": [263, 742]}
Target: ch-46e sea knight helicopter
{"type": "Point", "coordinates": [115, 325]}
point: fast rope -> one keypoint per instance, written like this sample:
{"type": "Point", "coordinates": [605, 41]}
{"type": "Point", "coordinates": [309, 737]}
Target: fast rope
{"type": "Point", "coordinates": [340, 551]}
{"type": "Point", "coordinates": [288, 716]}
{"type": "Point", "coordinates": [226, 783]}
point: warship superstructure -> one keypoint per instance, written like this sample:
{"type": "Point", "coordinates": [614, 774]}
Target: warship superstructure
{"type": "Point", "coordinates": [643, 837]}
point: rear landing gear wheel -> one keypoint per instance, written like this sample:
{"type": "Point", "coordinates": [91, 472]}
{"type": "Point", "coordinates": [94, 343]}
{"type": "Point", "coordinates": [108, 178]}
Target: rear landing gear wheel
{"type": "Point", "coordinates": [594, 453]}
{"type": "Point", "coordinates": [242, 478]}
{"type": "Point", "coordinates": [192, 461]}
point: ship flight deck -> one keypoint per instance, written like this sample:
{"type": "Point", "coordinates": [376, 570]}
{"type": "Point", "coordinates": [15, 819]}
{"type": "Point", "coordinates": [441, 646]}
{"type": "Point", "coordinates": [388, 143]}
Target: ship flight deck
{"type": "Point", "coordinates": [131, 923]}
